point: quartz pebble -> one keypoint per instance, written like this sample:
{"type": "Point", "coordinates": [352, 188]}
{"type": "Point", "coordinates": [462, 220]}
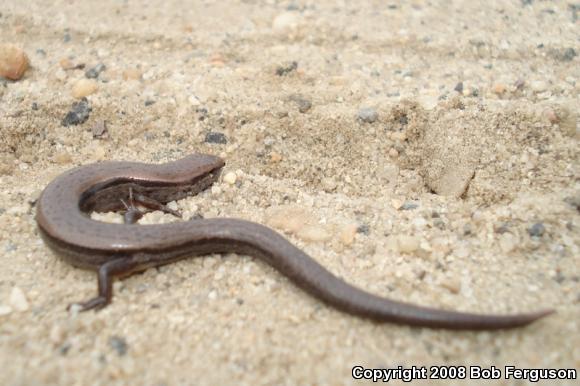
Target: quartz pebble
{"type": "Point", "coordinates": [230, 178]}
{"type": "Point", "coordinates": [538, 86]}
{"type": "Point", "coordinates": [285, 21]}
{"type": "Point", "coordinates": [84, 87]}
{"type": "Point", "coordinates": [407, 244]}
{"type": "Point", "coordinates": [5, 310]}
{"type": "Point", "coordinates": [367, 114]}
{"type": "Point", "coordinates": [18, 299]}
{"type": "Point", "coordinates": [13, 62]}
{"type": "Point", "coordinates": [507, 242]}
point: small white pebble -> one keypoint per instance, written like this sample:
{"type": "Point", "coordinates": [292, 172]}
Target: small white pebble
{"type": "Point", "coordinates": [230, 178]}
{"type": "Point", "coordinates": [408, 244]}
{"type": "Point", "coordinates": [5, 310]}
{"type": "Point", "coordinates": [212, 295]}
{"type": "Point", "coordinates": [285, 21]}
{"type": "Point", "coordinates": [419, 222]}
{"type": "Point", "coordinates": [18, 300]}
{"type": "Point", "coordinates": [193, 100]}
{"type": "Point", "coordinates": [507, 242]}
{"type": "Point", "coordinates": [538, 86]}
{"type": "Point", "coordinates": [60, 74]}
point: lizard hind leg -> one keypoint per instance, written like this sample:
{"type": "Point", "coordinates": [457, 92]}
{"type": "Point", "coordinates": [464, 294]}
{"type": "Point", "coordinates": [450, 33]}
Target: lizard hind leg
{"type": "Point", "coordinates": [106, 274]}
{"type": "Point", "coordinates": [133, 213]}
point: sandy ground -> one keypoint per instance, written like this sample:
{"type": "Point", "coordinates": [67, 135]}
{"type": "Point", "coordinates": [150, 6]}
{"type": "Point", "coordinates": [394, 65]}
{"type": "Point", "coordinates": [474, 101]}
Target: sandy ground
{"type": "Point", "coordinates": [425, 151]}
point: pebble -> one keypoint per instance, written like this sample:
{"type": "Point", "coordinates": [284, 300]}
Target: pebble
{"type": "Point", "coordinates": [507, 242]}
{"type": "Point", "coordinates": [78, 114]}
{"type": "Point", "coordinates": [62, 157]}
{"type": "Point", "coordinates": [84, 87]}
{"type": "Point", "coordinates": [499, 88]}
{"type": "Point", "coordinates": [275, 157]}
{"type": "Point", "coordinates": [459, 87]}
{"type": "Point", "coordinates": [93, 73]}
{"type": "Point", "coordinates": [314, 233]}
{"type": "Point", "coordinates": [18, 299]}
{"type": "Point", "coordinates": [99, 129]}
{"type": "Point", "coordinates": [132, 74]}
{"type": "Point", "coordinates": [119, 344]}
{"type": "Point", "coordinates": [5, 310]}
{"type": "Point", "coordinates": [328, 184]}
{"type": "Point", "coordinates": [289, 218]}
{"type": "Point", "coordinates": [538, 86]}
{"type": "Point", "coordinates": [566, 55]}
{"type": "Point", "coordinates": [285, 21]}
{"type": "Point", "coordinates": [537, 230]}
{"type": "Point", "coordinates": [60, 74]}
{"type": "Point", "coordinates": [409, 205]}
{"type": "Point", "coordinates": [215, 137]}
{"type": "Point", "coordinates": [407, 244]}
{"type": "Point", "coordinates": [230, 178]}
{"type": "Point", "coordinates": [286, 68]}
{"type": "Point", "coordinates": [367, 114]}
{"type": "Point", "coordinates": [303, 104]}
{"type": "Point", "coordinates": [452, 284]}
{"type": "Point", "coordinates": [13, 62]}
{"type": "Point", "coordinates": [348, 233]}
{"type": "Point", "coordinates": [193, 100]}
{"type": "Point", "coordinates": [66, 64]}
{"type": "Point", "coordinates": [365, 229]}
{"type": "Point", "coordinates": [399, 136]}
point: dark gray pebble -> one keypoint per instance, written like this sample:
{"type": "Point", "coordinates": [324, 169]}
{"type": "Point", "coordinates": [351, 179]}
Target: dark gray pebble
{"type": "Point", "coordinates": [459, 87]}
{"type": "Point", "coordinates": [364, 229]}
{"type": "Point", "coordinates": [287, 68]}
{"type": "Point", "coordinates": [119, 344]}
{"type": "Point", "coordinates": [409, 205]}
{"type": "Point", "coordinates": [78, 114]}
{"type": "Point", "coordinates": [303, 104]}
{"type": "Point", "coordinates": [537, 230]}
{"type": "Point", "coordinates": [94, 72]}
{"type": "Point", "coordinates": [215, 137]}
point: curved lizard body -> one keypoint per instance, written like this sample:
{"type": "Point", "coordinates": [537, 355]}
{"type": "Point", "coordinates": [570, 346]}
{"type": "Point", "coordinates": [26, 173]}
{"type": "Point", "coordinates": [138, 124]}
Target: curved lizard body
{"type": "Point", "coordinates": [115, 250]}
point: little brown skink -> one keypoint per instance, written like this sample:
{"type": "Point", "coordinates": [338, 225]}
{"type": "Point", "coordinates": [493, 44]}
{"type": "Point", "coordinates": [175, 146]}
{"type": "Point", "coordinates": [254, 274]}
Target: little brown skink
{"type": "Point", "coordinates": [115, 250]}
